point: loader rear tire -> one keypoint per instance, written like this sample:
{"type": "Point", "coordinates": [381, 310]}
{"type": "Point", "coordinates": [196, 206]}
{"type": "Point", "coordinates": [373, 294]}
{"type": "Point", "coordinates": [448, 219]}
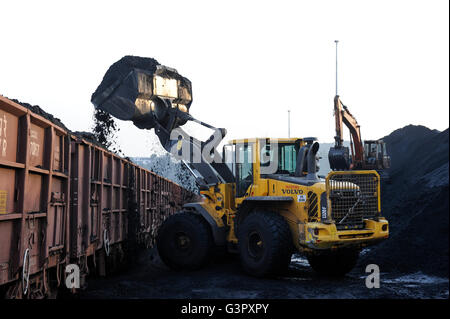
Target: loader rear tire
{"type": "Point", "coordinates": [184, 241]}
{"type": "Point", "coordinates": [265, 244]}
{"type": "Point", "coordinates": [335, 264]}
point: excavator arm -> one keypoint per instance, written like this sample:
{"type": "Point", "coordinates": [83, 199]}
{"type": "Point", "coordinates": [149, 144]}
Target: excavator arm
{"type": "Point", "coordinates": [339, 154]}
{"type": "Point", "coordinates": [349, 120]}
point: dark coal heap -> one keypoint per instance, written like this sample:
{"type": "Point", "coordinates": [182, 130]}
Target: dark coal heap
{"type": "Point", "coordinates": [88, 136]}
{"type": "Point", "coordinates": [415, 201]}
{"type": "Point", "coordinates": [38, 110]}
{"type": "Point", "coordinates": [91, 138]}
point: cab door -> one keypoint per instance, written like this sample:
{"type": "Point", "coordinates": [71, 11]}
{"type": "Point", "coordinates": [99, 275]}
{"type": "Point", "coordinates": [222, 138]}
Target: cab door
{"type": "Point", "coordinates": [386, 158]}
{"type": "Point", "coordinates": [244, 169]}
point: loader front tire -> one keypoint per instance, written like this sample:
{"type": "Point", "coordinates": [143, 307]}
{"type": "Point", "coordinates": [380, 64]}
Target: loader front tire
{"type": "Point", "coordinates": [184, 241]}
{"type": "Point", "coordinates": [334, 264]}
{"type": "Point", "coordinates": [264, 244]}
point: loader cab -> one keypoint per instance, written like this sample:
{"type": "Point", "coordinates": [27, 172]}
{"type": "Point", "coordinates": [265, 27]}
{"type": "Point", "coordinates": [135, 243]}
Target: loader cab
{"type": "Point", "coordinates": [240, 157]}
{"type": "Point", "coordinates": [250, 160]}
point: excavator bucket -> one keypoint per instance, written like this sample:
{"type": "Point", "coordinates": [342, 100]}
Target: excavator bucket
{"type": "Point", "coordinates": [339, 158]}
{"type": "Point", "coordinates": [143, 91]}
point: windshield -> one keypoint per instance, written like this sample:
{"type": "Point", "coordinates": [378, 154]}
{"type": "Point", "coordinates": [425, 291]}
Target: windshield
{"type": "Point", "coordinates": [285, 154]}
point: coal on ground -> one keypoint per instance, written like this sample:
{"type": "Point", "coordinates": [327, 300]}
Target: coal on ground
{"type": "Point", "coordinates": [224, 278]}
{"type": "Point", "coordinates": [415, 201]}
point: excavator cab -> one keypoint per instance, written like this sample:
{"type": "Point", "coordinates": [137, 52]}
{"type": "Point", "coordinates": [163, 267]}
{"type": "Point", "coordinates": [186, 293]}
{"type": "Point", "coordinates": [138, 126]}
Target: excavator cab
{"type": "Point", "coordinates": [375, 155]}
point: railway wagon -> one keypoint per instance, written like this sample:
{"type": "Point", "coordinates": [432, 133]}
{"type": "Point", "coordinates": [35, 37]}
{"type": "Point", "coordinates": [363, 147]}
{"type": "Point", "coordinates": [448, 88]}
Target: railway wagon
{"type": "Point", "coordinates": [64, 200]}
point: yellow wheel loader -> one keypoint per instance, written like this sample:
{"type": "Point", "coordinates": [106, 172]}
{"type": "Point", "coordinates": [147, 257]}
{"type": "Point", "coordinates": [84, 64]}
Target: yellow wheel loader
{"type": "Point", "coordinates": [262, 197]}
{"type": "Point", "coordinates": [266, 216]}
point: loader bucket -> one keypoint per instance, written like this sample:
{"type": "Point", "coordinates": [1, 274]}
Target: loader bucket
{"type": "Point", "coordinates": [143, 91]}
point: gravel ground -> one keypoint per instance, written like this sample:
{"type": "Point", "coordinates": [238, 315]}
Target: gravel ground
{"type": "Point", "coordinates": [418, 243]}
{"type": "Point", "coordinates": [150, 278]}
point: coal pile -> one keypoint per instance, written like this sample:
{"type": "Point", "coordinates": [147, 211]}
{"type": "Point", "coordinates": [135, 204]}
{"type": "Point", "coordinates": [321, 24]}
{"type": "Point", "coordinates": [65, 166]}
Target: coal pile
{"type": "Point", "coordinates": [415, 201]}
{"type": "Point", "coordinates": [88, 136]}
{"type": "Point", "coordinates": [38, 110]}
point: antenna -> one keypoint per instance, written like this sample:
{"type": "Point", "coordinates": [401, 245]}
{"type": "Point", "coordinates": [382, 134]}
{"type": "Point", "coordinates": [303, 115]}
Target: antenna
{"type": "Point", "coordinates": [336, 41]}
{"type": "Point", "coordinates": [289, 123]}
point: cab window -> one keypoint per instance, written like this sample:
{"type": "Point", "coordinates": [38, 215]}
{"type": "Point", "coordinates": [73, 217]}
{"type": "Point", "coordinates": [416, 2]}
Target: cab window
{"type": "Point", "coordinates": [229, 152]}
{"type": "Point", "coordinates": [288, 159]}
{"type": "Point", "coordinates": [283, 154]}
{"type": "Point", "coordinates": [244, 168]}
{"type": "Point", "coordinates": [384, 149]}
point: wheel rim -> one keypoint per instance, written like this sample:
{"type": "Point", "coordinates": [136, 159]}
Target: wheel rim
{"type": "Point", "coordinates": [255, 245]}
{"type": "Point", "coordinates": [182, 242]}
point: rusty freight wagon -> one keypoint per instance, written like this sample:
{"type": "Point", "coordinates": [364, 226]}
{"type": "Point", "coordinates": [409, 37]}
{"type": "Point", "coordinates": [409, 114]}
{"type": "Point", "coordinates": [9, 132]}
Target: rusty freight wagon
{"type": "Point", "coordinates": [65, 200]}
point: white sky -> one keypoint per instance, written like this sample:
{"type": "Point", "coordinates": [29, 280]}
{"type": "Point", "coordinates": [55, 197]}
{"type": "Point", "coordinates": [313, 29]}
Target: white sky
{"type": "Point", "coordinates": [249, 61]}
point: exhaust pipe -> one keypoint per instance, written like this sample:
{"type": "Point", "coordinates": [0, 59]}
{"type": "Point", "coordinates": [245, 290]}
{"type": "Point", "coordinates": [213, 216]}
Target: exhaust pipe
{"type": "Point", "coordinates": [301, 161]}
{"type": "Point", "coordinates": [312, 161]}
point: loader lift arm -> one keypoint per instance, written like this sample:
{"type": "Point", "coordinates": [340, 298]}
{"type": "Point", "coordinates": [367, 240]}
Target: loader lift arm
{"type": "Point", "coordinates": [200, 157]}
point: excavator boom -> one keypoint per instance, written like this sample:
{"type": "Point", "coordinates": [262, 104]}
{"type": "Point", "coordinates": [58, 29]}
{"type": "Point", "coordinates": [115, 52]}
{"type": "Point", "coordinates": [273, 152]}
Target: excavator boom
{"type": "Point", "coordinates": [343, 115]}
{"type": "Point", "coordinates": [339, 156]}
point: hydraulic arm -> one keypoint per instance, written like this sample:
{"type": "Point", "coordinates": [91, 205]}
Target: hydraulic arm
{"type": "Point", "coordinates": [364, 155]}
{"type": "Point", "coordinates": [339, 157]}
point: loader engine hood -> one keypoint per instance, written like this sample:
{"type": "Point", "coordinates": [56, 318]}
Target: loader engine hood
{"type": "Point", "coordinates": [145, 92]}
